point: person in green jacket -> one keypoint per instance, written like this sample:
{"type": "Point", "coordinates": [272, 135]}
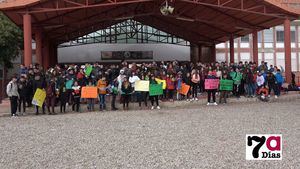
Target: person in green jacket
{"type": "Point", "coordinates": [236, 76]}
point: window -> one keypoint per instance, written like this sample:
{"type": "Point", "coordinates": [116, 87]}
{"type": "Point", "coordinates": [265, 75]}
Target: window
{"type": "Point", "coordinates": [259, 37]}
{"type": "Point", "coordinates": [293, 36]}
{"type": "Point", "coordinates": [268, 35]}
{"type": "Point", "coordinates": [245, 39]}
{"type": "Point", "coordinates": [280, 36]}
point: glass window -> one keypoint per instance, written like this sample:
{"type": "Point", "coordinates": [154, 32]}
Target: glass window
{"type": "Point", "coordinates": [280, 36]}
{"type": "Point", "coordinates": [259, 37]}
{"type": "Point", "coordinates": [245, 39]}
{"type": "Point", "coordinates": [293, 36]}
{"type": "Point", "coordinates": [268, 35]}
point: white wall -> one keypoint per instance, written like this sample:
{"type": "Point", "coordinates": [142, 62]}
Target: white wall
{"type": "Point", "coordinates": [92, 52]}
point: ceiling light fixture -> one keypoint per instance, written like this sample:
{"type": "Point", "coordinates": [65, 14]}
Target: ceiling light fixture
{"type": "Point", "coordinates": [166, 9]}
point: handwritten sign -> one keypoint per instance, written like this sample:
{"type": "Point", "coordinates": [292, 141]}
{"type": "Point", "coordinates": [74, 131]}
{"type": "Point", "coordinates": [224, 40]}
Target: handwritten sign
{"type": "Point", "coordinates": [226, 85]}
{"type": "Point", "coordinates": [142, 85]}
{"type": "Point", "coordinates": [89, 92]}
{"type": "Point", "coordinates": [155, 90]}
{"type": "Point", "coordinates": [88, 70]}
{"type": "Point", "coordinates": [184, 89]}
{"type": "Point", "coordinates": [163, 82]}
{"type": "Point", "coordinates": [211, 84]}
{"type": "Point", "coordinates": [39, 97]}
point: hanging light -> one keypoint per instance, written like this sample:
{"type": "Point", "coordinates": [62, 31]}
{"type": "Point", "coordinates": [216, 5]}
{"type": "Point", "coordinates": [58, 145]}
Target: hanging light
{"type": "Point", "coordinates": [166, 9]}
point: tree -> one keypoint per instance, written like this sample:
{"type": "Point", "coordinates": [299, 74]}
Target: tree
{"type": "Point", "coordinates": [11, 41]}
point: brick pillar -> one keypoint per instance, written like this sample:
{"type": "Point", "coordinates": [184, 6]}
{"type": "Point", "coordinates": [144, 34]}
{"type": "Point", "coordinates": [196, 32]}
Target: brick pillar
{"type": "Point", "coordinates": [255, 46]}
{"type": "Point", "coordinates": [287, 50]}
{"type": "Point", "coordinates": [231, 48]}
{"type": "Point", "coordinates": [39, 46]}
{"type": "Point", "coordinates": [27, 39]}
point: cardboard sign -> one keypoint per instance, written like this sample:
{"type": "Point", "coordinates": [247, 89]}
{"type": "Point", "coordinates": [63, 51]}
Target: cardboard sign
{"type": "Point", "coordinates": [226, 85]}
{"type": "Point", "coordinates": [211, 84]}
{"type": "Point", "coordinates": [155, 90]}
{"type": "Point", "coordinates": [39, 97]}
{"type": "Point", "coordinates": [69, 84]}
{"type": "Point", "coordinates": [89, 92]}
{"type": "Point", "coordinates": [184, 89]}
{"type": "Point", "coordinates": [89, 70]}
{"type": "Point", "coordinates": [142, 85]}
{"type": "Point", "coordinates": [163, 82]}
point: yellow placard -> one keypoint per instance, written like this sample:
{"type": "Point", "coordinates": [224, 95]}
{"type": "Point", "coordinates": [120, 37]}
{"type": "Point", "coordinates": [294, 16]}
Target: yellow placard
{"type": "Point", "coordinates": [142, 86]}
{"type": "Point", "coordinates": [164, 83]}
{"type": "Point", "coordinates": [39, 97]}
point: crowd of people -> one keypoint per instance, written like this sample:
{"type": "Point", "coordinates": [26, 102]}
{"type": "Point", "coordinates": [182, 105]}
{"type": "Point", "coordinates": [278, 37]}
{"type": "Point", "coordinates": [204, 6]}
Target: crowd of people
{"type": "Point", "coordinates": [63, 84]}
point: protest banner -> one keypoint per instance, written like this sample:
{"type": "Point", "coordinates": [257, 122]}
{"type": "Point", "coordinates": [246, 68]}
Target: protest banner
{"type": "Point", "coordinates": [226, 85]}
{"type": "Point", "coordinates": [142, 86]}
{"type": "Point", "coordinates": [155, 90]}
{"type": "Point", "coordinates": [211, 84]}
{"type": "Point", "coordinates": [39, 97]}
{"type": "Point", "coordinates": [89, 92]}
{"type": "Point", "coordinates": [163, 82]}
{"type": "Point", "coordinates": [184, 89]}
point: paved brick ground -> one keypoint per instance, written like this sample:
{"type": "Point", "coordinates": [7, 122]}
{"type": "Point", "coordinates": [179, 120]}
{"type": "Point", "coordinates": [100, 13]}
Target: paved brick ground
{"type": "Point", "coordinates": [196, 136]}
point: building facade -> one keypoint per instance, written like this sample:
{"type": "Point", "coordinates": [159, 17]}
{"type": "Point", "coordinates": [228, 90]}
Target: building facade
{"type": "Point", "coordinates": [270, 47]}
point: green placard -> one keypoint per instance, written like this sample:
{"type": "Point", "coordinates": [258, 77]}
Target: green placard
{"type": "Point", "coordinates": [89, 70]}
{"type": "Point", "coordinates": [226, 85]}
{"type": "Point", "coordinates": [155, 90]}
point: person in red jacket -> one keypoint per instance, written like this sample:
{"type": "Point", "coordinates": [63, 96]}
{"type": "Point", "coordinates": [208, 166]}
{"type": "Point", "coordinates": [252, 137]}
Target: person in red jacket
{"type": "Point", "coordinates": [171, 86]}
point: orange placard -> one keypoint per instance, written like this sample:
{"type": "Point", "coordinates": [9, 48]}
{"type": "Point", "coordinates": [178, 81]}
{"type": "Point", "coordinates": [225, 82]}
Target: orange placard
{"type": "Point", "coordinates": [184, 89]}
{"type": "Point", "coordinates": [89, 92]}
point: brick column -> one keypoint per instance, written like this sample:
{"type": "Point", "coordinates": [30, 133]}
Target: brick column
{"type": "Point", "coordinates": [231, 48]}
{"type": "Point", "coordinates": [27, 39]}
{"type": "Point", "coordinates": [287, 50]}
{"type": "Point", "coordinates": [255, 46]}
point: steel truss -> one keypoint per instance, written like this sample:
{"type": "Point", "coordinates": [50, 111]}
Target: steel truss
{"type": "Point", "coordinates": [129, 31]}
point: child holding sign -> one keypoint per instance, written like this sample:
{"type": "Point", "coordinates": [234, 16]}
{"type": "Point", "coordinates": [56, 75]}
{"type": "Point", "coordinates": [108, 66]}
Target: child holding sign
{"type": "Point", "coordinates": [152, 98]}
{"type": "Point", "coordinates": [223, 90]}
{"type": "Point", "coordinates": [90, 101]}
{"type": "Point", "coordinates": [211, 86]}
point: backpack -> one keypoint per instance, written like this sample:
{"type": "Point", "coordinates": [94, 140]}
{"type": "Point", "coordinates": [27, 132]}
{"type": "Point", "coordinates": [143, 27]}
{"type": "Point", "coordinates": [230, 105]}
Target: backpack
{"type": "Point", "coordinates": [8, 88]}
{"type": "Point", "coordinates": [49, 91]}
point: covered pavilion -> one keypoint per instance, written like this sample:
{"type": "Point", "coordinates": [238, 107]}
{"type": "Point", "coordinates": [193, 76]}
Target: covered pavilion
{"type": "Point", "coordinates": [204, 23]}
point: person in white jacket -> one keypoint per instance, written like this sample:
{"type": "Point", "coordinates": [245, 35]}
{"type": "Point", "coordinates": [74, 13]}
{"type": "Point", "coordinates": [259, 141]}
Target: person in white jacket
{"type": "Point", "coordinates": [260, 80]}
{"type": "Point", "coordinates": [133, 79]}
{"type": "Point", "coordinates": [12, 92]}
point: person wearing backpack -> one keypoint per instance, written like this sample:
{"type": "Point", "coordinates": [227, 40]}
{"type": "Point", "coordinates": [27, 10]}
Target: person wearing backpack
{"type": "Point", "coordinates": [76, 96]}
{"type": "Point", "coordinates": [12, 92]}
{"type": "Point", "coordinates": [23, 91]}
{"type": "Point", "coordinates": [279, 80]}
{"type": "Point", "coordinates": [39, 83]}
{"type": "Point", "coordinates": [63, 96]}
{"type": "Point", "coordinates": [51, 96]}
{"type": "Point", "coordinates": [114, 93]}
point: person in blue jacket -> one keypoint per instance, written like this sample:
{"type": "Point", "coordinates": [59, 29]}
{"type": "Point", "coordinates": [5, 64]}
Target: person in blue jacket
{"type": "Point", "coordinates": [279, 80]}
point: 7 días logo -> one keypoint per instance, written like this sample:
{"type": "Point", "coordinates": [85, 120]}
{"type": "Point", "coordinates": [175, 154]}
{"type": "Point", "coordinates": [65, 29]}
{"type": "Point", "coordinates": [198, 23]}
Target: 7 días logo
{"type": "Point", "coordinates": [264, 147]}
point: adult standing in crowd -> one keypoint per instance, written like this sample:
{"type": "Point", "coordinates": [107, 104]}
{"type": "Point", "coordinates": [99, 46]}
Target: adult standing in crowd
{"type": "Point", "coordinates": [12, 93]}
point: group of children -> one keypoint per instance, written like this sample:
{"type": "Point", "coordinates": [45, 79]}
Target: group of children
{"type": "Point", "coordinates": [63, 83]}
